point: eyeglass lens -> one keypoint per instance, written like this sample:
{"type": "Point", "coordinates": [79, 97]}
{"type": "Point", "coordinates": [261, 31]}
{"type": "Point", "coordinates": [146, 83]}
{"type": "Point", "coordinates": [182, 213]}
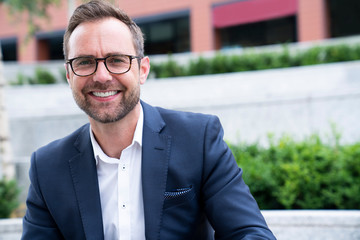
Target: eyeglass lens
{"type": "Point", "coordinates": [115, 64]}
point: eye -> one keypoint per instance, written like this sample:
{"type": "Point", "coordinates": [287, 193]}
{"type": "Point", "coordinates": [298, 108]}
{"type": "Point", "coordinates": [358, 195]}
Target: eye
{"type": "Point", "coordinates": [83, 62]}
{"type": "Point", "coordinates": [117, 59]}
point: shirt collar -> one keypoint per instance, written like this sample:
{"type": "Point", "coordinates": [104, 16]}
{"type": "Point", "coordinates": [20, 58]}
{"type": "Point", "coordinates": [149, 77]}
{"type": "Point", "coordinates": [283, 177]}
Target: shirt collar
{"type": "Point", "coordinates": [138, 134]}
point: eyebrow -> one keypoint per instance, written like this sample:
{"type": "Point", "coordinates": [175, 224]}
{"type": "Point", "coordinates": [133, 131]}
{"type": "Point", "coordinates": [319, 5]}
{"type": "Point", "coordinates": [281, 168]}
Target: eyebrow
{"type": "Point", "coordinates": [108, 54]}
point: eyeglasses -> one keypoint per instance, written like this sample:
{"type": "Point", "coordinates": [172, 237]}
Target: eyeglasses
{"type": "Point", "coordinates": [86, 66]}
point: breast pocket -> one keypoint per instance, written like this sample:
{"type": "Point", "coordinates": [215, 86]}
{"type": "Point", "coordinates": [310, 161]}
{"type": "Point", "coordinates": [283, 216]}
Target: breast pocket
{"type": "Point", "coordinates": [178, 196]}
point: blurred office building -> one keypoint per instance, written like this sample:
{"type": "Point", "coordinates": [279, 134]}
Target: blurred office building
{"type": "Point", "coordinates": [193, 25]}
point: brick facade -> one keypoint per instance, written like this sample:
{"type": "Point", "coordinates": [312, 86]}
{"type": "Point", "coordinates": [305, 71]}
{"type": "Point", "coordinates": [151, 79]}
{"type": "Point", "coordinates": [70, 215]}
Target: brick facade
{"type": "Point", "coordinates": [312, 23]}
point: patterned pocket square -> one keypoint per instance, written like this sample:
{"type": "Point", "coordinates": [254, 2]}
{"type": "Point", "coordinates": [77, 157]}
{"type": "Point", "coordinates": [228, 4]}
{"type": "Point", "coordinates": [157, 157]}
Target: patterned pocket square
{"type": "Point", "coordinates": [177, 193]}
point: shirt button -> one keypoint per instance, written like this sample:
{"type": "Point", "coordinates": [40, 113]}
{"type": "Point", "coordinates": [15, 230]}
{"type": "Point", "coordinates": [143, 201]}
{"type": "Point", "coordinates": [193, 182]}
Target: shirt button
{"type": "Point", "coordinates": [124, 206]}
{"type": "Point", "coordinates": [124, 167]}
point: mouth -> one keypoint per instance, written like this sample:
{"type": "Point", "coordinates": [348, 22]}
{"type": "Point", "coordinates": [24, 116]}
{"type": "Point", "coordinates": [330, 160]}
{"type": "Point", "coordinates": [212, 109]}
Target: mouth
{"type": "Point", "coordinates": [104, 94]}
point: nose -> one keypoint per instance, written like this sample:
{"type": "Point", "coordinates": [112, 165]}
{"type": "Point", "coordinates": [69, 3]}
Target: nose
{"type": "Point", "coordinates": [102, 74]}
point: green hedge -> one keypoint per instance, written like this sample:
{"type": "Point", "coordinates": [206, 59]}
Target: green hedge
{"type": "Point", "coordinates": [9, 192]}
{"type": "Point", "coordinates": [41, 76]}
{"type": "Point", "coordinates": [308, 174]}
{"type": "Point", "coordinates": [250, 60]}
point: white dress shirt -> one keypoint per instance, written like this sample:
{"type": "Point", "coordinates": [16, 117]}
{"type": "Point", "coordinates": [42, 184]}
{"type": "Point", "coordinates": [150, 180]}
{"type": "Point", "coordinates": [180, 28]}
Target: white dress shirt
{"type": "Point", "coordinates": [121, 189]}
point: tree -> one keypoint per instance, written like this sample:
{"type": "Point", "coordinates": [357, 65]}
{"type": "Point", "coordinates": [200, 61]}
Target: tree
{"type": "Point", "coordinates": [33, 8]}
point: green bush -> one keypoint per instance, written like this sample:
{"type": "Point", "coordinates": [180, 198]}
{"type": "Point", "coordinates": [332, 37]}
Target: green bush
{"type": "Point", "coordinates": [22, 79]}
{"type": "Point", "coordinates": [200, 66]}
{"type": "Point", "coordinates": [308, 174]}
{"type": "Point", "coordinates": [9, 192]}
{"type": "Point", "coordinates": [250, 61]}
{"type": "Point", "coordinates": [43, 76]}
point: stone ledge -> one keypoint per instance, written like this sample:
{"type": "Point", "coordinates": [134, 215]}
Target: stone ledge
{"type": "Point", "coordinates": [10, 225]}
{"type": "Point", "coordinates": [10, 229]}
{"type": "Point", "coordinates": [347, 218]}
{"type": "Point", "coordinates": [285, 224]}
{"type": "Point", "coordinates": [314, 224]}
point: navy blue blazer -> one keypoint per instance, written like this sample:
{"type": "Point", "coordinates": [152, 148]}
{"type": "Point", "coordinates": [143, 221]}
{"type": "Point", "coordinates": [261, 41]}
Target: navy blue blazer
{"type": "Point", "coordinates": [192, 185]}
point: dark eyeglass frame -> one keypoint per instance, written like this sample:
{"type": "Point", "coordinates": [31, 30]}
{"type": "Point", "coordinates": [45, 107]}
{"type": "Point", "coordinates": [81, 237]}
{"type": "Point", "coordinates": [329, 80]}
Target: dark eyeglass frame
{"type": "Point", "coordinates": [131, 57]}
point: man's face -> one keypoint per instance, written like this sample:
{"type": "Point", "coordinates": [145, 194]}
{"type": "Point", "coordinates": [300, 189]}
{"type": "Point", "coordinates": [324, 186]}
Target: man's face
{"type": "Point", "coordinates": [104, 96]}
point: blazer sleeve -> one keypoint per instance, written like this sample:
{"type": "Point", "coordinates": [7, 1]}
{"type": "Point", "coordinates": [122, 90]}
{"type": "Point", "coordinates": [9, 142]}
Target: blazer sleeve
{"type": "Point", "coordinates": [231, 209]}
{"type": "Point", "coordinates": [37, 222]}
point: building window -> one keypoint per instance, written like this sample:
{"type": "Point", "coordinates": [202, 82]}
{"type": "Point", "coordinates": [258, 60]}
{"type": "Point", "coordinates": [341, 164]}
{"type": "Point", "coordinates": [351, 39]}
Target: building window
{"type": "Point", "coordinates": [344, 17]}
{"type": "Point", "coordinates": [275, 31]}
{"type": "Point", "coordinates": [9, 49]}
{"type": "Point", "coordinates": [50, 45]}
{"type": "Point", "coordinates": [166, 34]}
{"type": "Point", "coordinates": [56, 48]}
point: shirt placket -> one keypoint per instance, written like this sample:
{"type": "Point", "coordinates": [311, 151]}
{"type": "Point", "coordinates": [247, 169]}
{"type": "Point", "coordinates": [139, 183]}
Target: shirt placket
{"type": "Point", "coordinates": [124, 195]}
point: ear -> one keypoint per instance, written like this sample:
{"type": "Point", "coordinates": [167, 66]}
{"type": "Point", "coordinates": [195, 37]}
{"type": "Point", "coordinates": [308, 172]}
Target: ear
{"type": "Point", "coordinates": [144, 69]}
{"type": "Point", "coordinates": [67, 73]}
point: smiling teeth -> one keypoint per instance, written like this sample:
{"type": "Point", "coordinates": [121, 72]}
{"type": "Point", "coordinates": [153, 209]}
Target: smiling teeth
{"type": "Point", "coordinates": [104, 94]}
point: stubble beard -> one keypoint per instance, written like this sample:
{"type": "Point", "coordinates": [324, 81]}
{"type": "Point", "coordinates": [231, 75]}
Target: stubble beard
{"type": "Point", "coordinates": [130, 98]}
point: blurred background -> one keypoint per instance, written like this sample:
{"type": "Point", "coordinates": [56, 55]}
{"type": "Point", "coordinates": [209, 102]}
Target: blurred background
{"type": "Point", "coordinates": [184, 26]}
{"type": "Point", "coordinates": [282, 75]}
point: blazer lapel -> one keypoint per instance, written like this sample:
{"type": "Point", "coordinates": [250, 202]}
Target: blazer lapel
{"type": "Point", "coordinates": [155, 157]}
{"type": "Point", "coordinates": [84, 175]}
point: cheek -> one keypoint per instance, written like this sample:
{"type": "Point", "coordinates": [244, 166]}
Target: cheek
{"type": "Point", "coordinates": [125, 80]}
{"type": "Point", "coordinates": [76, 84]}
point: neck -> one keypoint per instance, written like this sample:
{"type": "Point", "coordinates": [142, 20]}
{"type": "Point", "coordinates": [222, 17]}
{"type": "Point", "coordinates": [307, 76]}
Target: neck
{"type": "Point", "coordinates": [114, 137]}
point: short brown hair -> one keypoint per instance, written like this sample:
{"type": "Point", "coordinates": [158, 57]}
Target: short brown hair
{"type": "Point", "coordinates": [97, 10]}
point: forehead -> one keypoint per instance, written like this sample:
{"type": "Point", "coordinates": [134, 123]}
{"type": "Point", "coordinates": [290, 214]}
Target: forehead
{"type": "Point", "coordinates": [101, 37]}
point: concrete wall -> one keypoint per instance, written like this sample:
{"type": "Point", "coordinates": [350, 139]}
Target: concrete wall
{"type": "Point", "coordinates": [294, 225]}
{"type": "Point", "coordinates": [298, 101]}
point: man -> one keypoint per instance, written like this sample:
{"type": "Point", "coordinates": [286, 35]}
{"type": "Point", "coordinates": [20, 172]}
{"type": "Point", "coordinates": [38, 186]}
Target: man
{"type": "Point", "coordinates": [136, 171]}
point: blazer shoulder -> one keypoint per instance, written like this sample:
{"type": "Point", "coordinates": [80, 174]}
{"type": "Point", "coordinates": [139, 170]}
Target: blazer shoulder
{"type": "Point", "coordinates": [184, 117]}
{"type": "Point", "coordinates": [163, 120]}
{"type": "Point", "coordinates": [190, 123]}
